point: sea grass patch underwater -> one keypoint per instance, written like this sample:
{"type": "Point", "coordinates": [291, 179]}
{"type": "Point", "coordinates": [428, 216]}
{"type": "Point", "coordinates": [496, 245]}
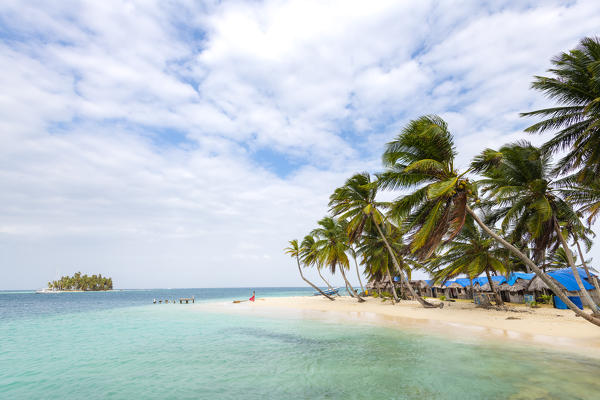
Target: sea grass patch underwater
{"type": "Point", "coordinates": [173, 351]}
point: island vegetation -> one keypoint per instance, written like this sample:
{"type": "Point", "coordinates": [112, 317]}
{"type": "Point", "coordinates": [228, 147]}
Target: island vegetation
{"type": "Point", "coordinates": [82, 282]}
{"type": "Point", "coordinates": [515, 208]}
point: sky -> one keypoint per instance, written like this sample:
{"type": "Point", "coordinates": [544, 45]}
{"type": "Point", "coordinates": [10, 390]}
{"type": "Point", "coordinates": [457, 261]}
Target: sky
{"type": "Point", "coordinates": [183, 143]}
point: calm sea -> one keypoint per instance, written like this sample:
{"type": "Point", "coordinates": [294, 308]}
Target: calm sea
{"type": "Point", "coordinates": [118, 345]}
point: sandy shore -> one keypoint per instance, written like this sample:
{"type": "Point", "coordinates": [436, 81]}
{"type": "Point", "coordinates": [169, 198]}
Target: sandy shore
{"type": "Point", "coordinates": [560, 329]}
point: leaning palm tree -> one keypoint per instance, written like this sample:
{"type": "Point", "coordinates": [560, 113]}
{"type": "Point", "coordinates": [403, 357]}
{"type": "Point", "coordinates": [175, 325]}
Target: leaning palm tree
{"type": "Point", "coordinates": [310, 257]}
{"type": "Point", "coordinates": [356, 201]}
{"type": "Point", "coordinates": [471, 253]}
{"type": "Point", "coordinates": [422, 158]}
{"type": "Point", "coordinates": [332, 245]}
{"type": "Point", "coordinates": [575, 85]}
{"type": "Point", "coordinates": [519, 179]}
{"type": "Point", "coordinates": [376, 256]}
{"type": "Point", "coordinates": [294, 251]}
{"type": "Point", "coordinates": [352, 251]}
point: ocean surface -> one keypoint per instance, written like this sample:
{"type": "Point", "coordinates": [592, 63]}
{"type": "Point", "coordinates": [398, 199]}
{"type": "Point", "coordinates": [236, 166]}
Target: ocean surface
{"type": "Point", "coordinates": [118, 345]}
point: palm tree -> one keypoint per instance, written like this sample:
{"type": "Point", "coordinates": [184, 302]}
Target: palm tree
{"type": "Point", "coordinates": [353, 252]}
{"type": "Point", "coordinates": [575, 85]}
{"type": "Point", "coordinates": [294, 251]}
{"type": "Point", "coordinates": [471, 253]}
{"type": "Point", "coordinates": [309, 256]}
{"type": "Point", "coordinates": [585, 195]}
{"type": "Point", "coordinates": [356, 201]}
{"type": "Point", "coordinates": [422, 158]}
{"type": "Point", "coordinates": [332, 244]}
{"type": "Point", "coordinates": [376, 256]}
{"type": "Point", "coordinates": [519, 179]}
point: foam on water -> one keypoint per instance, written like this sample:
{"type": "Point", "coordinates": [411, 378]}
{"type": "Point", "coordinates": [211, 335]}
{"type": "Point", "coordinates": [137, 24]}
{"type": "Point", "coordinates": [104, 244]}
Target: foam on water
{"type": "Point", "coordinates": [119, 345]}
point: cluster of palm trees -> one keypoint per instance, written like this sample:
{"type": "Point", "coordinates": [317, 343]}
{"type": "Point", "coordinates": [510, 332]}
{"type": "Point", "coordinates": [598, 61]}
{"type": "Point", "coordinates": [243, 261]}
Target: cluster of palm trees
{"type": "Point", "coordinates": [82, 282]}
{"type": "Point", "coordinates": [513, 209]}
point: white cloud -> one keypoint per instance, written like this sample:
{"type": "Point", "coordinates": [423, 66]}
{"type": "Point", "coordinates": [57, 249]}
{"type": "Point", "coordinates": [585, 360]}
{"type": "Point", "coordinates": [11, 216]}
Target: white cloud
{"type": "Point", "coordinates": [128, 130]}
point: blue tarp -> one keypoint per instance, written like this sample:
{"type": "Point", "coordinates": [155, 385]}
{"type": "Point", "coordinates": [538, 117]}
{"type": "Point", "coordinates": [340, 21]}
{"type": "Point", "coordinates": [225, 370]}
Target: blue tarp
{"type": "Point", "coordinates": [558, 303]}
{"type": "Point", "coordinates": [464, 282]}
{"type": "Point", "coordinates": [567, 280]}
{"type": "Point", "coordinates": [430, 282]}
{"type": "Point", "coordinates": [482, 280]}
{"type": "Point", "coordinates": [519, 275]}
{"type": "Point", "coordinates": [563, 276]}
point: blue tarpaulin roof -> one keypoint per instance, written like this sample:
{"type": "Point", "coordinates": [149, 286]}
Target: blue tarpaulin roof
{"type": "Point", "coordinates": [482, 280]}
{"type": "Point", "coordinates": [567, 280]}
{"type": "Point", "coordinates": [563, 276]}
{"type": "Point", "coordinates": [519, 275]}
{"type": "Point", "coordinates": [430, 282]}
{"type": "Point", "coordinates": [464, 282]}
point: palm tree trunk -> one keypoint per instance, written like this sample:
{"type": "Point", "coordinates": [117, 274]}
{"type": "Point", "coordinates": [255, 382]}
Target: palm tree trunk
{"type": "Point", "coordinates": [587, 271]}
{"type": "Point", "coordinates": [499, 301]}
{"type": "Point", "coordinates": [346, 283]}
{"type": "Point", "coordinates": [403, 279]}
{"type": "Point", "coordinates": [310, 283]}
{"type": "Point", "coordinates": [545, 278]}
{"type": "Point", "coordinates": [324, 280]}
{"type": "Point", "coordinates": [351, 289]}
{"type": "Point", "coordinates": [358, 274]}
{"type": "Point", "coordinates": [392, 285]}
{"type": "Point", "coordinates": [586, 296]}
{"type": "Point", "coordinates": [471, 287]}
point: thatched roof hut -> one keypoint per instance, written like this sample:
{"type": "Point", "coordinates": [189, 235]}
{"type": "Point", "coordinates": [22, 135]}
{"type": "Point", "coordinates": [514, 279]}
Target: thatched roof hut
{"type": "Point", "coordinates": [537, 284]}
{"type": "Point", "coordinates": [419, 284]}
{"type": "Point", "coordinates": [519, 285]}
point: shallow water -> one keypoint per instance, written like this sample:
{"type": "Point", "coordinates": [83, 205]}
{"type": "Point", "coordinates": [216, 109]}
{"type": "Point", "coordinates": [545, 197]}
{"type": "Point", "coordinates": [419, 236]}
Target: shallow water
{"type": "Point", "coordinates": [119, 345]}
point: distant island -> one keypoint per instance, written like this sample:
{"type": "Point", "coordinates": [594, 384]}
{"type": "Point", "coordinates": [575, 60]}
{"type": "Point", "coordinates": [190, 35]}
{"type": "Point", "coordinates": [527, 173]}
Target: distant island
{"type": "Point", "coordinates": [82, 282]}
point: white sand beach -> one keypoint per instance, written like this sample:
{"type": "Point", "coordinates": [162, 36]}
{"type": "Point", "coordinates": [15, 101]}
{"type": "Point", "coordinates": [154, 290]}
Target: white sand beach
{"type": "Point", "coordinates": [545, 326]}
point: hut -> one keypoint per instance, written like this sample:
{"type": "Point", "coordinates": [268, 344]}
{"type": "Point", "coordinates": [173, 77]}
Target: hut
{"type": "Point", "coordinates": [379, 286]}
{"type": "Point", "coordinates": [435, 289]}
{"type": "Point", "coordinates": [420, 286]}
{"type": "Point", "coordinates": [465, 290]}
{"type": "Point", "coordinates": [459, 289]}
{"type": "Point", "coordinates": [566, 281]}
{"type": "Point", "coordinates": [518, 283]}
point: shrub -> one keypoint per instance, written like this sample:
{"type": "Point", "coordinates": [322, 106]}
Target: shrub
{"type": "Point", "coordinates": [546, 299]}
{"type": "Point", "coordinates": [443, 298]}
{"type": "Point", "coordinates": [533, 304]}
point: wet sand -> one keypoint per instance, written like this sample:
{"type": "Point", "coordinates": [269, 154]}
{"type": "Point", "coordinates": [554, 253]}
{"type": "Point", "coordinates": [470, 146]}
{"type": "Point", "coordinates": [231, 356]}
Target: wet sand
{"type": "Point", "coordinates": [547, 327]}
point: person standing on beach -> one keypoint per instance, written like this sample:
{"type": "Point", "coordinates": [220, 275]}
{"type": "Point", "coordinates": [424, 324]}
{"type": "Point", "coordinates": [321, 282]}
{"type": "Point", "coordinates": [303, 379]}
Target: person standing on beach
{"type": "Point", "coordinates": [252, 298]}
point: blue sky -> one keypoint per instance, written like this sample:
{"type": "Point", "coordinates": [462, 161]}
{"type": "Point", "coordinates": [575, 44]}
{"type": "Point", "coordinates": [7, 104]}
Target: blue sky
{"type": "Point", "coordinates": [178, 144]}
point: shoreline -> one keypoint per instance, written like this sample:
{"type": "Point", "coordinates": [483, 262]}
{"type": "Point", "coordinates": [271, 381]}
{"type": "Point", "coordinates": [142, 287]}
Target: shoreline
{"type": "Point", "coordinates": [547, 328]}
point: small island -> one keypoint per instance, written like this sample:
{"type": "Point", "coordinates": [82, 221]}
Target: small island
{"type": "Point", "coordinates": [79, 282]}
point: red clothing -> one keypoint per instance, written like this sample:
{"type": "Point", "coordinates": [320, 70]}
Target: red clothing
{"type": "Point", "coordinates": [251, 298]}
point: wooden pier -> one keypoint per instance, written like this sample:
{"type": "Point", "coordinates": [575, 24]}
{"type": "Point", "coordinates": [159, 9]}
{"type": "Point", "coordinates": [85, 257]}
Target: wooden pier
{"type": "Point", "coordinates": [187, 300]}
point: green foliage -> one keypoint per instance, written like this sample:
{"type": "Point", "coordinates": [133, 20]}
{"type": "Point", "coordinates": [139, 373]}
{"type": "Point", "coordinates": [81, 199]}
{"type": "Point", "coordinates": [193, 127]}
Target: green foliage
{"type": "Point", "coordinates": [546, 299]}
{"type": "Point", "coordinates": [533, 304]}
{"type": "Point", "coordinates": [471, 253]}
{"type": "Point", "coordinates": [575, 85]}
{"type": "Point", "coordinates": [443, 298]}
{"type": "Point", "coordinates": [422, 156]}
{"type": "Point", "coordinates": [522, 189]}
{"type": "Point", "coordinates": [82, 282]}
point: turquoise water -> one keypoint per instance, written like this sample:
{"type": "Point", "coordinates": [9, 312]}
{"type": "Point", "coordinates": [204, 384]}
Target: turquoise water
{"type": "Point", "coordinates": [119, 345]}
